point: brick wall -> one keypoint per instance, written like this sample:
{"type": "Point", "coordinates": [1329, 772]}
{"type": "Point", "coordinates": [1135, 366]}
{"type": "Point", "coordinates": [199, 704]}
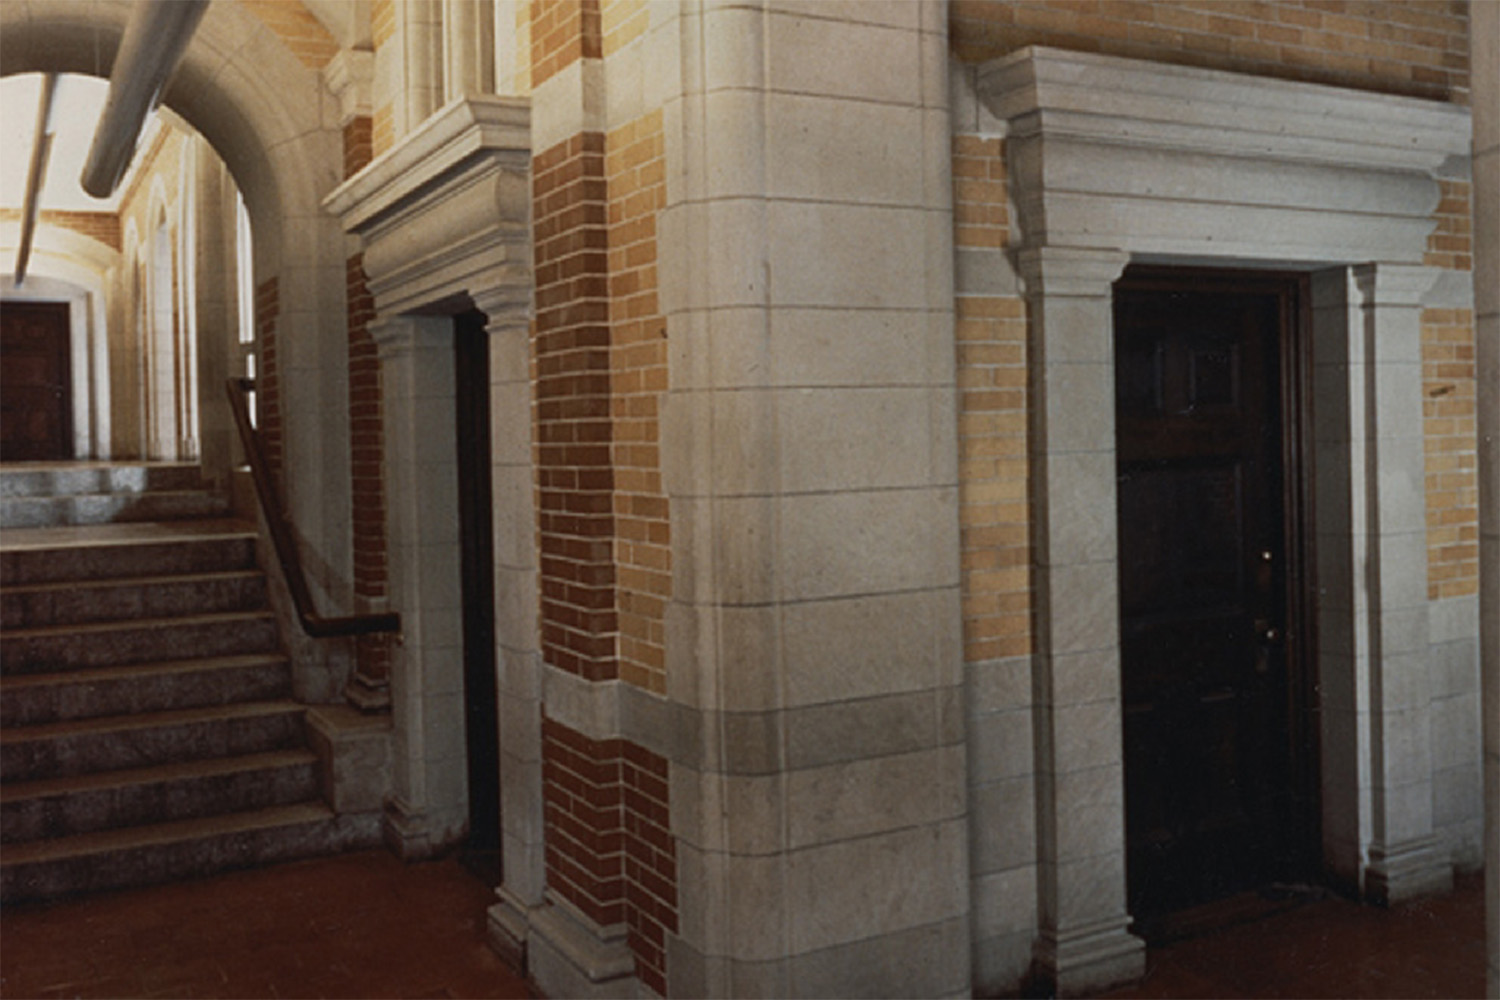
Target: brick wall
{"type": "Point", "coordinates": [635, 168]}
{"type": "Point", "coordinates": [992, 422]}
{"type": "Point", "coordinates": [268, 380]}
{"type": "Point", "coordinates": [609, 851]}
{"type": "Point", "coordinates": [383, 121]}
{"type": "Point", "coordinates": [1449, 416]}
{"type": "Point", "coordinates": [562, 32]}
{"type": "Point", "coordinates": [367, 462]}
{"type": "Point", "coordinates": [101, 226]}
{"type": "Point", "coordinates": [1449, 423]}
{"type": "Point", "coordinates": [359, 148]}
{"type": "Point", "coordinates": [622, 22]}
{"type": "Point", "coordinates": [382, 130]}
{"type": "Point", "coordinates": [303, 33]}
{"type": "Point", "coordinates": [571, 348]}
{"type": "Point", "coordinates": [1414, 47]}
{"type": "Point", "coordinates": [382, 21]}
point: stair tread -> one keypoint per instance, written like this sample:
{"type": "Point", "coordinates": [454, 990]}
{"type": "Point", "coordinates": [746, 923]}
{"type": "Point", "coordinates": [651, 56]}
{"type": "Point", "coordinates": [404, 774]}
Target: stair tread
{"type": "Point", "coordinates": [160, 834]}
{"type": "Point", "coordinates": [96, 583]}
{"type": "Point", "coordinates": [95, 675]}
{"type": "Point", "coordinates": [146, 720]}
{"type": "Point", "coordinates": [207, 618]}
{"type": "Point", "coordinates": [125, 533]}
{"type": "Point", "coordinates": [176, 492]}
{"type": "Point", "coordinates": [20, 791]}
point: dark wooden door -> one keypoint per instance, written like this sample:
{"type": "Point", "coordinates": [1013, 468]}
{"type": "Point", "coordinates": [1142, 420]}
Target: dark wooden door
{"type": "Point", "coordinates": [481, 851]}
{"type": "Point", "coordinates": [1214, 730]}
{"type": "Point", "coordinates": [36, 398]}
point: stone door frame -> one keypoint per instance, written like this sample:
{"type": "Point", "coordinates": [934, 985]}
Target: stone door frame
{"type": "Point", "coordinates": [1114, 161]}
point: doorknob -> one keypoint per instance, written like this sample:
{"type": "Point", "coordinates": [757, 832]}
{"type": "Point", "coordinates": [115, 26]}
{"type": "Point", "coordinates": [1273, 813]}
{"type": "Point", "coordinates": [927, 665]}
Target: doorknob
{"type": "Point", "coordinates": [1266, 631]}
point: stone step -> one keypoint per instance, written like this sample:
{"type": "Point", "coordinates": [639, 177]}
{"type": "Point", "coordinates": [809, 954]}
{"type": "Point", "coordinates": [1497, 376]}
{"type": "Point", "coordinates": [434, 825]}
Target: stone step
{"type": "Point", "coordinates": [44, 479]}
{"type": "Point", "coordinates": [76, 602]}
{"type": "Point", "coordinates": [105, 644]}
{"type": "Point", "coordinates": [183, 849]}
{"type": "Point", "coordinates": [33, 699]}
{"type": "Point", "coordinates": [107, 508]}
{"type": "Point", "coordinates": [112, 743]}
{"type": "Point", "coordinates": [123, 551]}
{"type": "Point", "coordinates": [65, 807]}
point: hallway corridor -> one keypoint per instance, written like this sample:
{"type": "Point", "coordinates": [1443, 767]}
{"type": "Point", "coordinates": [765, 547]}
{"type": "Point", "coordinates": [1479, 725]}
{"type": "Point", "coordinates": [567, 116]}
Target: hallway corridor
{"type": "Point", "coordinates": [365, 925]}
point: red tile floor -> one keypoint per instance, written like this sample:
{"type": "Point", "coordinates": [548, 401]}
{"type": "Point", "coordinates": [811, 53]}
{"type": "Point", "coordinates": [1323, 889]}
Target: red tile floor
{"type": "Point", "coordinates": [356, 925]}
{"type": "Point", "coordinates": [1332, 947]}
{"type": "Point", "coordinates": [365, 925]}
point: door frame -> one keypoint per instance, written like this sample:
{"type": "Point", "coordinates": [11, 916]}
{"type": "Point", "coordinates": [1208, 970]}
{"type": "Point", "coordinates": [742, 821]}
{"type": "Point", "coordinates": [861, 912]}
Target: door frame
{"type": "Point", "coordinates": [1108, 164]}
{"type": "Point", "coordinates": [1295, 399]}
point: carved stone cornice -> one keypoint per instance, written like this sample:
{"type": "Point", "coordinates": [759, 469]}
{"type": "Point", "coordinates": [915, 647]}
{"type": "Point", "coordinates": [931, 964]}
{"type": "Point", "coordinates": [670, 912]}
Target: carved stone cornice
{"type": "Point", "coordinates": [446, 212]}
{"type": "Point", "coordinates": [1176, 162]}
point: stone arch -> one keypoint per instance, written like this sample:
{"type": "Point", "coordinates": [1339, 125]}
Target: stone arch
{"type": "Point", "coordinates": [276, 126]}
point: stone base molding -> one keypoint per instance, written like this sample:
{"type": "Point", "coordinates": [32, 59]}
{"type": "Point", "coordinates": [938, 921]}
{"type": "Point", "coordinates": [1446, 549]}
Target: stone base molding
{"type": "Point", "coordinates": [1086, 960]}
{"type": "Point", "coordinates": [1405, 871]}
{"type": "Point", "coordinates": [568, 955]}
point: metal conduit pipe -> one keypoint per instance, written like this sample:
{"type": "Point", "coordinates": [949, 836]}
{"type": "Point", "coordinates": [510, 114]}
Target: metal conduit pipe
{"type": "Point", "coordinates": [155, 39]}
{"type": "Point", "coordinates": [36, 172]}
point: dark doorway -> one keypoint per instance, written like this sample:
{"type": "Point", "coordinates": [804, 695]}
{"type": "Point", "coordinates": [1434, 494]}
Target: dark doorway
{"type": "Point", "coordinates": [1218, 739]}
{"type": "Point", "coordinates": [36, 389]}
{"type": "Point", "coordinates": [481, 852]}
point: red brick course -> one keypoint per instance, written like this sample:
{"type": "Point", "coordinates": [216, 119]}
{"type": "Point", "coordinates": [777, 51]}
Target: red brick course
{"type": "Point", "coordinates": [610, 851]}
{"type": "Point", "coordinates": [367, 461]}
{"type": "Point", "coordinates": [268, 382]}
{"type": "Point", "coordinates": [359, 144]}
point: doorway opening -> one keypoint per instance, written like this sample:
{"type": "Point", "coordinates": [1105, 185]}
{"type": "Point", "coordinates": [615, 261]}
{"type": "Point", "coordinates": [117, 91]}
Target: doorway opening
{"type": "Point", "coordinates": [36, 382]}
{"type": "Point", "coordinates": [1219, 703]}
{"type": "Point", "coordinates": [471, 356]}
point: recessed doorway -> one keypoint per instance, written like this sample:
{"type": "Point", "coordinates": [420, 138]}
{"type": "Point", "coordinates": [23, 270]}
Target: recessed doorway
{"type": "Point", "coordinates": [481, 848]}
{"type": "Point", "coordinates": [1220, 759]}
{"type": "Point", "coordinates": [36, 387]}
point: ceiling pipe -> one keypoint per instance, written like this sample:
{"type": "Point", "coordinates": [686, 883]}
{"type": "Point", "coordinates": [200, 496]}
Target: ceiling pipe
{"type": "Point", "coordinates": [155, 39]}
{"type": "Point", "coordinates": [36, 172]}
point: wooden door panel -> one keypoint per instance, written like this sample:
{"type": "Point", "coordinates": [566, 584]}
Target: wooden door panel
{"type": "Point", "coordinates": [36, 401]}
{"type": "Point", "coordinates": [1203, 588]}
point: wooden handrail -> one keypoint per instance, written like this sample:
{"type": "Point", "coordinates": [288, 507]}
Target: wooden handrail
{"type": "Point", "coordinates": [314, 624]}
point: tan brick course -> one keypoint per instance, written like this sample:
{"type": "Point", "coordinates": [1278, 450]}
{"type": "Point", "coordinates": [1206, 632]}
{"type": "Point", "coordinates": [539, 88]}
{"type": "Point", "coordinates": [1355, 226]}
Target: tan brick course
{"type": "Point", "coordinates": [1413, 47]}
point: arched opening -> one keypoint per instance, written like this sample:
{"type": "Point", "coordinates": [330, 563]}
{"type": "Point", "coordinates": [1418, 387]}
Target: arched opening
{"type": "Point", "coordinates": [261, 110]}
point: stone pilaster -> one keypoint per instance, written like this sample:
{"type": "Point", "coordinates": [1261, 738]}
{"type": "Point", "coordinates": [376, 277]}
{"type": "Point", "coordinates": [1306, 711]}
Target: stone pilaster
{"type": "Point", "coordinates": [1083, 944]}
{"type": "Point", "coordinates": [1372, 557]}
{"type": "Point", "coordinates": [427, 807]}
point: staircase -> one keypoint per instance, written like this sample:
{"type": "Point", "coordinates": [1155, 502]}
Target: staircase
{"type": "Point", "coordinates": [147, 727]}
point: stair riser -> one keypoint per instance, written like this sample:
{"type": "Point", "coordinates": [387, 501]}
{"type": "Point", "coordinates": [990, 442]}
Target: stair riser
{"type": "Point", "coordinates": [115, 562]}
{"type": "Point", "coordinates": [30, 654]}
{"type": "Point", "coordinates": [158, 802]}
{"type": "Point", "coordinates": [67, 481]}
{"type": "Point", "coordinates": [107, 508]}
{"type": "Point", "coordinates": [86, 753]}
{"type": "Point", "coordinates": [63, 701]}
{"type": "Point", "coordinates": [75, 605]}
{"type": "Point", "coordinates": [191, 859]}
